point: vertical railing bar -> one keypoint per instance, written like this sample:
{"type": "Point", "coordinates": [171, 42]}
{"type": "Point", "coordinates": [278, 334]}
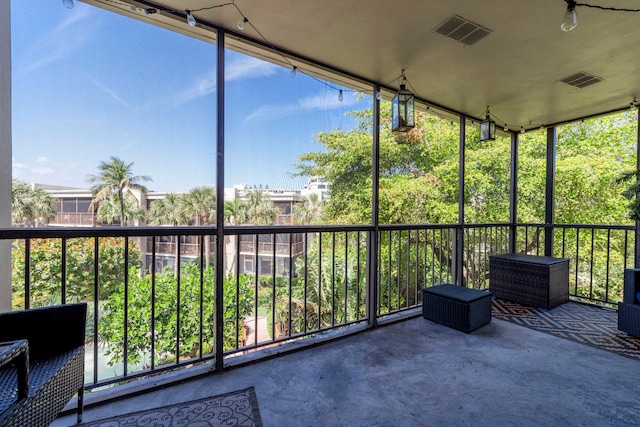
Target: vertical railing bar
{"type": "Point", "coordinates": [389, 279]}
{"type": "Point", "coordinates": [274, 266]}
{"type": "Point", "coordinates": [593, 230]}
{"type": "Point", "coordinates": [333, 278]}
{"type": "Point", "coordinates": [201, 271]}
{"type": "Point", "coordinates": [306, 273]}
{"type": "Point", "coordinates": [408, 275]}
{"type": "Point", "coordinates": [63, 272]}
{"type": "Point", "coordinates": [577, 259]}
{"type": "Point", "coordinates": [433, 256]}
{"type": "Point", "coordinates": [606, 291]}
{"type": "Point", "coordinates": [424, 250]}
{"type": "Point", "coordinates": [626, 248]}
{"type": "Point", "coordinates": [96, 257]}
{"type": "Point", "coordinates": [346, 277]}
{"type": "Point", "coordinates": [484, 266]}
{"type": "Point", "coordinates": [237, 272]}
{"type": "Point", "coordinates": [178, 284]}
{"type": "Point", "coordinates": [255, 304]}
{"type": "Point", "coordinates": [320, 280]}
{"type": "Point", "coordinates": [27, 274]}
{"type": "Point", "coordinates": [526, 239]}
{"type": "Point", "coordinates": [358, 233]}
{"type": "Point", "coordinates": [417, 267]}
{"type": "Point", "coordinates": [290, 312]}
{"type": "Point", "coordinates": [564, 232]}
{"type": "Point", "coordinates": [398, 262]}
{"type": "Point", "coordinates": [126, 307]}
{"type": "Point", "coordinates": [440, 257]}
{"type": "Point", "coordinates": [474, 270]}
{"type": "Point", "coordinates": [153, 302]}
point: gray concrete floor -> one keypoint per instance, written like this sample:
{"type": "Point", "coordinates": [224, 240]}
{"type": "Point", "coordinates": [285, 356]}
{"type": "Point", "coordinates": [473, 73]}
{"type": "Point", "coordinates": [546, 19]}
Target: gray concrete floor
{"type": "Point", "coordinates": [418, 373]}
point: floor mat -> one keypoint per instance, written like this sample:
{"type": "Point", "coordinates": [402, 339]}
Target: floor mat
{"type": "Point", "coordinates": [586, 324]}
{"type": "Point", "coordinates": [238, 408]}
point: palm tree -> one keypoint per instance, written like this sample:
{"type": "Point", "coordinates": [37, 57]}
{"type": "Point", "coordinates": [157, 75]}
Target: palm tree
{"type": "Point", "coordinates": [308, 211]}
{"type": "Point", "coordinates": [200, 204]}
{"type": "Point", "coordinates": [115, 178]}
{"type": "Point", "coordinates": [235, 212]}
{"type": "Point", "coordinates": [110, 211]}
{"type": "Point", "coordinates": [31, 206]}
{"type": "Point", "coordinates": [167, 211]}
{"type": "Point", "coordinates": [260, 208]}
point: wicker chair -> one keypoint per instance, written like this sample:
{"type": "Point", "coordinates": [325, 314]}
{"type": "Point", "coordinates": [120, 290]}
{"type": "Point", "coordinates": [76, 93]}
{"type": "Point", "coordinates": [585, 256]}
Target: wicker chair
{"type": "Point", "coordinates": [56, 337]}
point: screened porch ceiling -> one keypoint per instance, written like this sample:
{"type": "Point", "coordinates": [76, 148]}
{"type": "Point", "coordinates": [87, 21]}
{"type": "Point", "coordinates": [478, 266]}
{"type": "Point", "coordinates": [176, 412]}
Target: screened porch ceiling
{"type": "Point", "coordinates": [516, 69]}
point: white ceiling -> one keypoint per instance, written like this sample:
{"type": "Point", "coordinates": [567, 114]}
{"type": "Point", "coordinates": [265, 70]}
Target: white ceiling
{"type": "Point", "coordinates": [516, 70]}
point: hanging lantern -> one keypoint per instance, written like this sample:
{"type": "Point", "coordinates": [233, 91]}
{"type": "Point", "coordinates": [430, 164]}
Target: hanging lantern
{"type": "Point", "coordinates": [487, 129]}
{"type": "Point", "coordinates": [402, 111]}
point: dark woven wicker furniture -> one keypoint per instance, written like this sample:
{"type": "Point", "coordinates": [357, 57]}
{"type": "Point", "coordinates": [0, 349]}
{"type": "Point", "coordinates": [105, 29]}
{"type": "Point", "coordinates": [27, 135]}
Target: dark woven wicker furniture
{"type": "Point", "coordinates": [629, 308]}
{"type": "Point", "coordinates": [55, 338]}
{"type": "Point", "coordinates": [534, 281]}
{"type": "Point", "coordinates": [457, 307]}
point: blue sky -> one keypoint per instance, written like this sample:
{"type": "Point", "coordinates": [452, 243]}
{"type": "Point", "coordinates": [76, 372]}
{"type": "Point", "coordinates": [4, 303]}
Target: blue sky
{"type": "Point", "coordinates": [89, 84]}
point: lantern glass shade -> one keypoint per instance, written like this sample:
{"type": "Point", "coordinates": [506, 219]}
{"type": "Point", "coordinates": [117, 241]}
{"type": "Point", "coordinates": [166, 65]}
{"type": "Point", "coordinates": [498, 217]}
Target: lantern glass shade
{"type": "Point", "coordinates": [402, 111]}
{"type": "Point", "coordinates": [487, 130]}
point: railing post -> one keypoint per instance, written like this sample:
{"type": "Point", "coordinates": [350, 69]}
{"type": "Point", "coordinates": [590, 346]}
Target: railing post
{"type": "Point", "coordinates": [372, 236]}
{"type": "Point", "coordinates": [550, 191]}
{"type": "Point", "coordinates": [636, 242]}
{"type": "Point", "coordinates": [219, 273]}
{"type": "Point", "coordinates": [458, 252]}
{"type": "Point", "coordinates": [513, 193]}
{"type": "Point", "coordinates": [5, 154]}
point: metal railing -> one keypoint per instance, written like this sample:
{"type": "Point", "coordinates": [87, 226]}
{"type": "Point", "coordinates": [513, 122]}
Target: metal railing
{"type": "Point", "coordinates": [145, 320]}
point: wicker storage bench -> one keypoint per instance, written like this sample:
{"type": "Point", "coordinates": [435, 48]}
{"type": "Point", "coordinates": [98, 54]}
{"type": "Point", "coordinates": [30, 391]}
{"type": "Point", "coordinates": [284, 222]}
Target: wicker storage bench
{"type": "Point", "coordinates": [629, 308]}
{"type": "Point", "coordinates": [460, 308]}
{"type": "Point", "coordinates": [55, 338]}
{"type": "Point", "coordinates": [535, 281]}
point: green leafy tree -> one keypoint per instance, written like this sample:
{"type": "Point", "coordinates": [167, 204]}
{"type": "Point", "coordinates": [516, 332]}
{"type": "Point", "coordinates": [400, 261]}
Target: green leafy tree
{"type": "Point", "coordinates": [116, 178]}
{"type": "Point", "coordinates": [170, 318]}
{"type": "Point", "coordinates": [45, 272]}
{"type": "Point", "coordinates": [200, 204]}
{"type": "Point", "coordinates": [309, 210]}
{"type": "Point", "coordinates": [235, 212]}
{"type": "Point", "coordinates": [168, 211]}
{"type": "Point", "coordinates": [109, 211]}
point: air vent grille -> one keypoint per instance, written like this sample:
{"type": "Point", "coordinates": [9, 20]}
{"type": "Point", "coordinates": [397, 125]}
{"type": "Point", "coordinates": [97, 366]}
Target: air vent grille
{"type": "Point", "coordinates": [462, 31]}
{"type": "Point", "coordinates": [581, 80]}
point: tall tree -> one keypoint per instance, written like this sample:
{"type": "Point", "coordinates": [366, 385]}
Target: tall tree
{"type": "Point", "coordinates": [116, 178]}
{"type": "Point", "coordinates": [30, 206]}
{"type": "Point", "coordinates": [235, 212]}
{"type": "Point", "coordinates": [260, 208]}
{"type": "Point", "coordinates": [200, 204]}
{"type": "Point", "coordinates": [168, 211]}
{"type": "Point", "coordinates": [308, 211]}
{"type": "Point", "coordinates": [110, 210]}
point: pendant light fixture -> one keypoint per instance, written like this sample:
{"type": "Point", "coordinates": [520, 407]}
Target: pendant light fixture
{"type": "Point", "coordinates": [570, 18]}
{"type": "Point", "coordinates": [487, 128]}
{"type": "Point", "coordinates": [403, 109]}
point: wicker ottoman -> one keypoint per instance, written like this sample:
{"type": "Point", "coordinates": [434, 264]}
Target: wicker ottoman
{"type": "Point", "coordinates": [535, 281]}
{"type": "Point", "coordinates": [629, 318]}
{"type": "Point", "coordinates": [460, 308]}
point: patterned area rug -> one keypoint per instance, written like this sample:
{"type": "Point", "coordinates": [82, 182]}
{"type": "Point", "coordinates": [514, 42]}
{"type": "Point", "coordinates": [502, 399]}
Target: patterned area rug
{"type": "Point", "coordinates": [585, 324]}
{"type": "Point", "coordinates": [238, 408]}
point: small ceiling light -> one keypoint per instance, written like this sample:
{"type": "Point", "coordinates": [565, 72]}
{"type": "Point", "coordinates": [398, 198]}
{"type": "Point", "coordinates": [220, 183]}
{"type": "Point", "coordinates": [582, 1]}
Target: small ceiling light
{"type": "Point", "coordinates": [634, 104]}
{"type": "Point", "coordinates": [522, 129]}
{"type": "Point", "coordinates": [241, 23]}
{"type": "Point", "coordinates": [542, 128]}
{"type": "Point", "coordinates": [68, 4]}
{"type": "Point", "coordinates": [378, 95]}
{"type": "Point", "coordinates": [570, 18]}
{"type": "Point", "coordinates": [190, 19]}
{"type": "Point", "coordinates": [402, 110]}
{"type": "Point", "coordinates": [150, 11]}
{"type": "Point", "coordinates": [294, 71]}
{"type": "Point", "coordinates": [340, 96]}
{"type": "Point", "coordinates": [506, 128]}
{"type": "Point", "coordinates": [487, 129]}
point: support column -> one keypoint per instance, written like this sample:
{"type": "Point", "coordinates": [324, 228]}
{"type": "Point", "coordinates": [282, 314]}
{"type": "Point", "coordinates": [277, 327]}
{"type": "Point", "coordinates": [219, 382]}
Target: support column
{"type": "Point", "coordinates": [373, 237]}
{"type": "Point", "coordinates": [5, 152]}
{"type": "Point", "coordinates": [458, 237]}
{"type": "Point", "coordinates": [513, 193]}
{"type": "Point", "coordinates": [550, 191]}
{"type": "Point", "coordinates": [637, 233]}
{"type": "Point", "coordinates": [219, 288]}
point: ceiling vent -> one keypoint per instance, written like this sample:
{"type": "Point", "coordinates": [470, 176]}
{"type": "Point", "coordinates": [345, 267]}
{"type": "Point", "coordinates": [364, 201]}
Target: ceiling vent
{"type": "Point", "coordinates": [462, 31]}
{"type": "Point", "coordinates": [581, 80]}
